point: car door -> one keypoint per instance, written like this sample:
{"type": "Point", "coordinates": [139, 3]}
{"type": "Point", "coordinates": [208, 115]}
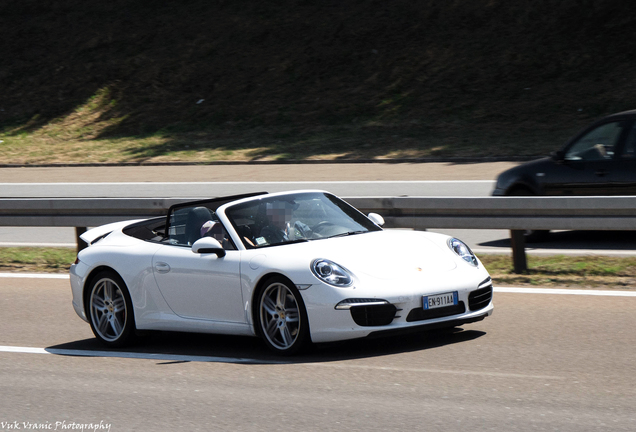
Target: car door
{"type": "Point", "coordinates": [589, 165]}
{"type": "Point", "coordinates": [199, 285]}
{"type": "Point", "coordinates": [625, 170]}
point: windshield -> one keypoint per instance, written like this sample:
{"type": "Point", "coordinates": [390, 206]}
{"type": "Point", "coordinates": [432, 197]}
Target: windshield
{"type": "Point", "coordinates": [296, 218]}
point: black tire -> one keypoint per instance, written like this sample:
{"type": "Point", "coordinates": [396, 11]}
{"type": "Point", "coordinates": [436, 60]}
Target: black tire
{"type": "Point", "coordinates": [109, 309]}
{"type": "Point", "coordinates": [280, 317]}
{"type": "Point", "coordinates": [531, 236]}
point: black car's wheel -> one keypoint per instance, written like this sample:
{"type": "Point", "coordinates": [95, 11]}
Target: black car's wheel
{"type": "Point", "coordinates": [281, 317]}
{"type": "Point", "coordinates": [110, 310]}
{"type": "Point", "coordinates": [531, 236]}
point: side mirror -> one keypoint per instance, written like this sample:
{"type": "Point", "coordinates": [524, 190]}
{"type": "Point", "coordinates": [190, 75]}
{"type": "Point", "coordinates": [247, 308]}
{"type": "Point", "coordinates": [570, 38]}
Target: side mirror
{"type": "Point", "coordinates": [376, 219]}
{"type": "Point", "coordinates": [208, 245]}
{"type": "Point", "coordinates": [558, 156]}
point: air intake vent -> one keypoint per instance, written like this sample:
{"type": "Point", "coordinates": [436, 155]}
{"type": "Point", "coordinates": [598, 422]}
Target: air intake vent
{"type": "Point", "coordinates": [373, 315]}
{"type": "Point", "coordinates": [419, 314]}
{"type": "Point", "coordinates": [480, 298]}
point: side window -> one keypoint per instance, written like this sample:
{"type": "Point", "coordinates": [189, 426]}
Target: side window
{"type": "Point", "coordinates": [189, 224]}
{"type": "Point", "coordinates": [629, 152]}
{"type": "Point", "coordinates": [598, 144]}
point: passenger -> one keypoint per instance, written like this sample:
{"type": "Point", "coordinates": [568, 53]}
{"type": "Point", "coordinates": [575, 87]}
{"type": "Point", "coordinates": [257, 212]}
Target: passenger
{"type": "Point", "coordinates": [215, 230]}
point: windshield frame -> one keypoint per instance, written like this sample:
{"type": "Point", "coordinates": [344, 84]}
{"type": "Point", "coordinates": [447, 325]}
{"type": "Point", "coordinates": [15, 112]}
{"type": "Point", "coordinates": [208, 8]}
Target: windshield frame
{"type": "Point", "coordinates": [351, 220]}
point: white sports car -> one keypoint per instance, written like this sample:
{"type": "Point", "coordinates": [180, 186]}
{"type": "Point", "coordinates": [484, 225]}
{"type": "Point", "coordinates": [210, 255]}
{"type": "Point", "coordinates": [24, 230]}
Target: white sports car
{"type": "Point", "coordinates": [292, 268]}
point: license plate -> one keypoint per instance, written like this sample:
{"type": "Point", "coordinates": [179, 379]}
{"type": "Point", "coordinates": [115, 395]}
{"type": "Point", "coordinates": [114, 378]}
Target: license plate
{"type": "Point", "coordinates": [440, 300]}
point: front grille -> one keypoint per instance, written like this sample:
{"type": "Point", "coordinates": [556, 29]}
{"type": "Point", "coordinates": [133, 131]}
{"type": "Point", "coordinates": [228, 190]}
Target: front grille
{"type": "Point", "coordinates": [421, 314]}
{"type": "Point", "coordinates": [373, 315]}
{"type": "Point", "coordinates": [480, 298]}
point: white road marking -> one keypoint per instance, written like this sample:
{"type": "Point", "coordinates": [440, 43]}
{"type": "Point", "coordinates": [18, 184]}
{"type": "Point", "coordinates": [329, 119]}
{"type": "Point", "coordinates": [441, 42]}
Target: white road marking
{"type": "Point", "coordinates": [23, 244]}
{"type": "Point", "coordinates": [248, 182]}
{"type": "Point", "coordinates": [512, 290]}
{"type": "Point", "coordinates": [34, 275]}
{"type": "Point", "coordinates": [132, 355]}
{"type": "Point", "coordinates": [556, 291]}
{"type": "Point", "coordinates": [211, 359]}
{"type": "Point", "coordinates": [576, 252]}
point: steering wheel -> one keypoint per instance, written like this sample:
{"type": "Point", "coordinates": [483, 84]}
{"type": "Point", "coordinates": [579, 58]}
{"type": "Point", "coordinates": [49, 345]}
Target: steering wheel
{"type": "Point", "coordinates": [320, 225]}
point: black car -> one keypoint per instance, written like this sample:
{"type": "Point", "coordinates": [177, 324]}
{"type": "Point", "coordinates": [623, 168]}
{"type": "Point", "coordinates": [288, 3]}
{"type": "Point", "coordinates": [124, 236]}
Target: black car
{"type": "Point", "coordinates": [601, 160]}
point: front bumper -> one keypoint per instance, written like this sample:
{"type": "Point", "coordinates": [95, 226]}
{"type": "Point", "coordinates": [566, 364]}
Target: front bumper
{"type": "Point", "coordinates": [399, 313]}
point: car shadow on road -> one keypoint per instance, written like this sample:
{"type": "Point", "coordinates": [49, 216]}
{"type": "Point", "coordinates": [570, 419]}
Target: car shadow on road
{"type": "Point", "coordinates": [588, 240]}
{"type": "Point", "coordinates": [172, 347]}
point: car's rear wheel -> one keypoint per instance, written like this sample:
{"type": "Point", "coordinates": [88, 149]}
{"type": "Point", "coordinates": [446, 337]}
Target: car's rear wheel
{"type": "Point", "coordinates": [110, 309]}
{"type": "Point", "coordinates": [282, 318]}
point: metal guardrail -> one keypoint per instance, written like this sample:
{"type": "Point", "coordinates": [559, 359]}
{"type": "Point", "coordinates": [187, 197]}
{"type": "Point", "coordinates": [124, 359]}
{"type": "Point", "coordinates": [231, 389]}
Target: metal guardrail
{"type": "Point", "coordinates": [80, 212]}
{"type": "Point", "coordinates": [513, 213]}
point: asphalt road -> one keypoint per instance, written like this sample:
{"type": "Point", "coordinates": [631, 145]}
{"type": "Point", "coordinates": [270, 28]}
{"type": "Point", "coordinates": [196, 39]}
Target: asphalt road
{"type": "Point", "coordinates": [542, 362]}
{"type": "Point", "coordinates": [214, 189]}
{"type": "Point", "coordinates": [259, 173]}
{"type": "Point", "coordinates": [434, 179]}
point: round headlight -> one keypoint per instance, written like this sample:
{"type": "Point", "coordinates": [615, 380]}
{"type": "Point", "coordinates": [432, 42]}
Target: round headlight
{"type": "Point", "coordinates": [331, 273]}
{"type": "Point", "coordinates": [463, 251]}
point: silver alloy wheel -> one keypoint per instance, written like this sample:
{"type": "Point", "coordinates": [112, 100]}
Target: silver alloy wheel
{"type": "Point", "coordinates": [108, 309]}
{"type": "Point", "coordinates": [280, 316]}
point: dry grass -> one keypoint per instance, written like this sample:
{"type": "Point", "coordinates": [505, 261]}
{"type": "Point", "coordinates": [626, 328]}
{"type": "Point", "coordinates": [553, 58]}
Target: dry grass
{"type": "Point", "coordinates": [81, 138]}
{"type": "Point", "coordinates": [565, 271]}
{"type": "Point", "coordinates": [36, 260]}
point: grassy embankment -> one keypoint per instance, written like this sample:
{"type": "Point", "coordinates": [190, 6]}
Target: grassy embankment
{"type": "Point", "coordinates": [561, 271]}
{"type": "Point", "coordinates": [201, 81]}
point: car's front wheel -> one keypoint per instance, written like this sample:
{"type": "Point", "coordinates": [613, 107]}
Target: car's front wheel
{"type": "Point", "coordinates": [282, 318]}
{"type": "Point", "coordinates": [110, 309]}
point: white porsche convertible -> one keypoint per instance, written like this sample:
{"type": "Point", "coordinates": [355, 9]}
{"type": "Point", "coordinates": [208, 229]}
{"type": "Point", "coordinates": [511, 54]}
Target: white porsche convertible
{"type": "Point", "coordinates": [292, 268]}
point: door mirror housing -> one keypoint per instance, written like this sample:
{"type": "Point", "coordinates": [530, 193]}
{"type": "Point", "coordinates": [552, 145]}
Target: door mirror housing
{"type": "Point", "coordinates": [558, 156]}
{"type": "Point", "coordinates": [376, 219]}
{"type": "Point", "coordinates": [208, 245]}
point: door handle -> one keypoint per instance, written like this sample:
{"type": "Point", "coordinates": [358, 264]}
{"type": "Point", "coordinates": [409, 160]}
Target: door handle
{"type": "Point", "coordinates": [162, 267]}
{"type": "Point", "coordinates": [601, 173]}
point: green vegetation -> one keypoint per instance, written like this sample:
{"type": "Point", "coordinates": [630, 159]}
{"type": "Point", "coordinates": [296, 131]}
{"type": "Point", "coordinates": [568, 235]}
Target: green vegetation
{"type": "Point", "coordinates": [200, 80]}
{"type": "Point", "coordinates": [38, 260]}
{"type": "Point", "coordinates": [565, 271]}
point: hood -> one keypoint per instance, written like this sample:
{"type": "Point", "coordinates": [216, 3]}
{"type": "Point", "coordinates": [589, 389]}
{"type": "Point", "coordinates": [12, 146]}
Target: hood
{"type": "Point", "coordinates": [531, 166]}
{"type": "Point", "coordinates": [387, 254]}
{"type": "Point", "coordinates": [524, 173]}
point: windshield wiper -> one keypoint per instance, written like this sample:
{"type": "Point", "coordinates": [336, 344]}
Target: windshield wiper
{"type": "Point", "coordinates": [348, 233]}
{"type": "Point", "coordinates": [284, 242]}
{"type": "Point", "coordinates": [295, 241]}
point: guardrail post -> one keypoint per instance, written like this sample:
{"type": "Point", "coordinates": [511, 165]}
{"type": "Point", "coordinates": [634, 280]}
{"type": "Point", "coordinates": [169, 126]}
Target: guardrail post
{"type": "Point", "coordinates": [81, 244]}
{"type": "Point", "coordinates": [518, 243]}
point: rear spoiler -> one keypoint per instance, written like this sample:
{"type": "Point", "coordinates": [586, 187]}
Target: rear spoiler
{"type": "Point", "coordinates": [100, 232]}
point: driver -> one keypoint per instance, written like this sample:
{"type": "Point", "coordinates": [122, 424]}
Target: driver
{"type": "Point", "coordinates": [279, 228]}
